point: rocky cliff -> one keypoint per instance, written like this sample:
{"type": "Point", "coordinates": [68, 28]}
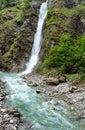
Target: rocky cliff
{"type": "Point", "coordinates": [18, 21]}
{"type": "Point", "coordinates": [65, 22]}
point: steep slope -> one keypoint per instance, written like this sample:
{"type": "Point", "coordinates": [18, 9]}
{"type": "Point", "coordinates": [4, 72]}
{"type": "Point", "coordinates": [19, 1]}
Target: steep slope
{"type": "Point", "coordinates": [64, 37]}
{"type": "Point", "coordinates": [18, 20]}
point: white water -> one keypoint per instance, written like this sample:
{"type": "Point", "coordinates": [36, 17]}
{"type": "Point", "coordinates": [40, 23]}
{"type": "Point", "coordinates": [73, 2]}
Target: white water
{"type": "Point", "coordinates": [37, 41]}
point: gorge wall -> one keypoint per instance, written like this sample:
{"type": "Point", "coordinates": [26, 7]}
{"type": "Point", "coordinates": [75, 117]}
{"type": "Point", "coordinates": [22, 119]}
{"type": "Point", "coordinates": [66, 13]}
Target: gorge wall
{"type": "Point", "coordinates": [64, 30]}
{"type": "Point", "coordinates": [18, 21]}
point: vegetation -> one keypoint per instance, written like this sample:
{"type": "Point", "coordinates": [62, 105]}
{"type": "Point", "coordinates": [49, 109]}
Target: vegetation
{"type": "Point", "coordinates": [68, 56]}
{"type": "Point", "coordinates": [76, 78]}
{"type": "Point", "coordinates": [64, 41]}
{"type": "Point", "coordinates": [14, 28]}
{"type": "Point", "coordinates": [5, 3]}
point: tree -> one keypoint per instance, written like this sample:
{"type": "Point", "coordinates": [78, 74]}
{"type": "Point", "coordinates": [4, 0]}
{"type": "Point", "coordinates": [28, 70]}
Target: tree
{"type": "Point", "coordinates": [68, 56]}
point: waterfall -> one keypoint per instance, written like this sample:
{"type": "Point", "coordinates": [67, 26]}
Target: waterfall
{"type": "Point", "coordinates": [37, 41]}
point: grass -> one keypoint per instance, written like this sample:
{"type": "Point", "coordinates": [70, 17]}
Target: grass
{"type": "Point", "coordinates": [80, 77]}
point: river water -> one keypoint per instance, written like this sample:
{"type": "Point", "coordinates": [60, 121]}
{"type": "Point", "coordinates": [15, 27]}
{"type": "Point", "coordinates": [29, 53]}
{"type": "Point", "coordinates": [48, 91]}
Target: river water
{"type": "Point", "coordinates": [36, 108]}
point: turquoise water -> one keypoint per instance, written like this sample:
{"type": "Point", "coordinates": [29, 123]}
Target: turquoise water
{"type": "Point", "coordinates": [35, 108]}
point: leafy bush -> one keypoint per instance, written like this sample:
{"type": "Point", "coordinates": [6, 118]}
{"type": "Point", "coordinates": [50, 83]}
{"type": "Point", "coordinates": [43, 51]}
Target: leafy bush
{"type": "Point", "coordinates": [68, 56]}
{"type": "Point", "coordinates": [4, 3]}
{"type": "Point", "coordinates": [25, 4]}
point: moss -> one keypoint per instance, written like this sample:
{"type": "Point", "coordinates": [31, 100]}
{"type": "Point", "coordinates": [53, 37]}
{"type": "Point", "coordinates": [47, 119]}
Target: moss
{"type": "Point", "coordinates": [15, 44]}
{"type": "Point", "coordinates": [60, 20]}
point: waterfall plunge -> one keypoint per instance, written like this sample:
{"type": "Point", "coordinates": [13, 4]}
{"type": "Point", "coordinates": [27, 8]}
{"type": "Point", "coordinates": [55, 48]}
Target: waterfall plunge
{"type": "Point", "coordinates": [37, 41]}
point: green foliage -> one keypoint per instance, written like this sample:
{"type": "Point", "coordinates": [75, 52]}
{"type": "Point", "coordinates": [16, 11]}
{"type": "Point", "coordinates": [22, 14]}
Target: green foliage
{"type": "Point", "coordinates": [5, 3]}
{"type": "Point", "coordinates": [76, 77]}
{"type": "Point", "coordinates": [25, 4]}
{"type": "Point", "coordinates": [12, 43]}
{"type": "Point", "coordinates": [68, 56]}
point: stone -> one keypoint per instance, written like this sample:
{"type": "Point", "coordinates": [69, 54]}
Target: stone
{"type": "Point", "coordinates": [38, 91]}
{"type": "Point", "coordinates": [14, 121]}
{"type": "Point", "coordinates": [1, 98]}
{"type": "Point", "coordinates": [5, 116]}
{"type": "Point", "coordinates": [51, 108]}
{"type": "Point", "coordinates": [81, 117]}
{"type": "Point", "coordinates": [72, 89]}
{"type": "Point", "coordinates": [52, 81]}
{"type": "Point", "coordinates": [34, 84]}
{"type": "Point", "coordinates": [72, 108]}
{"type": "Point", "coordinates": [17, 114]}
{"type": "Point", "coordinates": [1, 121]}
{"type": "Point", "coordinates": [3, 110]}
{"type": "Point", "coordinates": [11, 121]}
{"type": "Point", "coordinates": [10, 127]}
{"type": "Point", "coordinates": [12, 110]}
{"type": "Point", "coordinates": [62, 79]}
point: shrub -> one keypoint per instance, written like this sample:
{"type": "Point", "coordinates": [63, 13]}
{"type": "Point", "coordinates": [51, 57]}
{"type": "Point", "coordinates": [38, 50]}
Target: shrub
{"type": "Point", "coordinates": [68, 56]}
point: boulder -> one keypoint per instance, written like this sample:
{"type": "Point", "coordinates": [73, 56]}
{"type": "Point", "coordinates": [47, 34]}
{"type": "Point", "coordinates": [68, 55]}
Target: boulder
{"type": "Point", "coordinates": [14, 112]}
{"type": "Point", "coordinates": [2, 98]}
{"type": "Point", "coordinates": [10, 127]}
{"type": "Point", "coordinates": [52, 81]}
{"type": "Point", "coordinates": [62, 79]}
{"type": "Point", "coordinates": [38, 91]}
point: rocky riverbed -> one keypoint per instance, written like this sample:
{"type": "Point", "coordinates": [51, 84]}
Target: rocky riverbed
{"type": "Point", "coordinates": [10, 118]}
{"type": "Point", "coordinates": [56, 88]}
{"type": "Point", "coordinates": [59, 88]}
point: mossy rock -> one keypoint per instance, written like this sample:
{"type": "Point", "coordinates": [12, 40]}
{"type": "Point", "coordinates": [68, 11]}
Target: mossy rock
{"type": "Point", "coordinates": [61, 20]}
{"type": "Point", "coordinates": [18, 22]}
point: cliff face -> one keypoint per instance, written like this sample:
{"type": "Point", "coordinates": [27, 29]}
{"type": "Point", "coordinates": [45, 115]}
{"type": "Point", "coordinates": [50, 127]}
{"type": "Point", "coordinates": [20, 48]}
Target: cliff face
{"type": "Point", "coordinates": [18, 21]}
{"type": "Point", "coordinates": [64, 17]}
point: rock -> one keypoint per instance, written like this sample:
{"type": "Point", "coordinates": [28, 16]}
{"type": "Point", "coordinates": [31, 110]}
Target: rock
{"type": "Point", "coordinates": [11, 121]}
{"type": "Point", "coordinates": [10, 127]}
{"type": "Point", "coordinates": [1, 121]}
{"type": "Point", "coordinates": [72, 108]}
{"type": "Point", "coordinates": [34, 84]}
{"type": "Point", "coordinates": [74, 101]}
{"type": "Point", "coordinates": [51, 108]}
{"type": "Point", "coordinates": [14, 121]}
{"type": "Point", "coordinates": [81, 117]}
{"type": "Point", "coordinates": [17, 114]}
{"type": "Point", "coordinates": [2, 98]}
{"type": "Point", "coordinates": [3, 110]}
{"type": "Point", "coordinates": [72, 89]}
{"type": "Point", "coordinates": [5, 116]}
{"type": "Point", "coordinates": [38, 91]}
{"type": "Point", "coordinates": [12, 110]}
{"type": "Point", "coordinates": [52, 81]}
{"type": "Point", "coordinates": [57, 103]}
{"type": "Point", "coordinates": [62, 79]}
